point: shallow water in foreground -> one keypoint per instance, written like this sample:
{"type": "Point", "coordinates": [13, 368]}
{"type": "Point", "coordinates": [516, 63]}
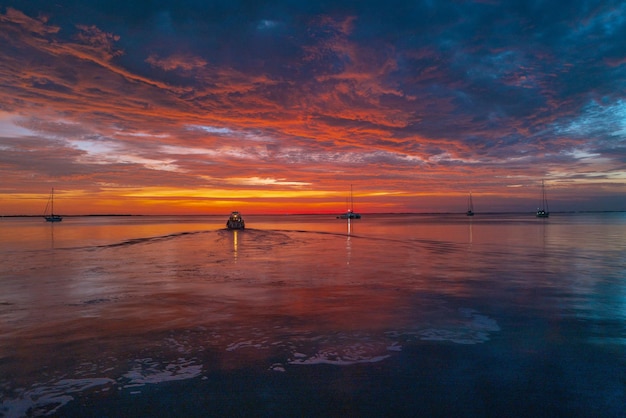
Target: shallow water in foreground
{"type": "Point", "coordinates": [500, 315]}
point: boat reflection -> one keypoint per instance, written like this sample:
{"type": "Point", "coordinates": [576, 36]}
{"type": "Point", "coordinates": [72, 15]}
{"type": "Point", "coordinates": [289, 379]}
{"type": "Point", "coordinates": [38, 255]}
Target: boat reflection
{"type": "Point", "coordinates": [52, 224]}
{"type": "Point", "coordinates": [348, 242]}
{"type": "Point", "coordinates": [235, 244]}
{"type": "Point", "coordinates": [471, 237]}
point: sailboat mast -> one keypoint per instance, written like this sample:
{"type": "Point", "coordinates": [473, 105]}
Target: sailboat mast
{"type": "Point", "coordinates": [470, 205]}
{"type": "Point", "coordinates": [351, 200]}
{"type": "Point", "coordinates": [350, 211]}
{"type": "Point", "coordinates": [51, 217]}
{"type": "Point", "coordinates": [543, 211]}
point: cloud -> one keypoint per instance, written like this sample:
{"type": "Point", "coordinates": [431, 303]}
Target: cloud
{"type": "Point", "coordinates": [316, 95]}
{"type": "Point", "coordinates": [258, 181]}
{"type": "Point", "coordinates": [177, 61]}
{"type": "Point", "coordinates": [35, 26]}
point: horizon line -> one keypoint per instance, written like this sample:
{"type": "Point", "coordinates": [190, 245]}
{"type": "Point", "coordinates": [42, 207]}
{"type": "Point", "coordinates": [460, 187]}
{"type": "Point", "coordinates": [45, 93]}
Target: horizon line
{"type": "Point", "coordinates": [319, 213]}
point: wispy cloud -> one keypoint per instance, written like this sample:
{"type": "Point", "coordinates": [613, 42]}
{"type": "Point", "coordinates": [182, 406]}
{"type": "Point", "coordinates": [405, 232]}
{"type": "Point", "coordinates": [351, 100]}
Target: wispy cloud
{"type": "Point", "coordinates": [425, 99]}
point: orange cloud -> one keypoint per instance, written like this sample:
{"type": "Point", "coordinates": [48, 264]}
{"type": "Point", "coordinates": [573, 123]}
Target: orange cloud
{"type": "Point", "coordinates": [413, 127]}
{"type": "Point", "coordinates": [177, 61]}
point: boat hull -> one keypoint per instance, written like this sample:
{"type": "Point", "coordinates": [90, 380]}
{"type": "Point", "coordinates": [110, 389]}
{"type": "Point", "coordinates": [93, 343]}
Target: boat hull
{"type": "Point", "coordinates": [53, 218]}
{"type": "Point", "coordinates": [349, 216]}
{"type": "Point", "coordinates": [235, 221]}
{"type": "Point", "coordinates": [235, 225]}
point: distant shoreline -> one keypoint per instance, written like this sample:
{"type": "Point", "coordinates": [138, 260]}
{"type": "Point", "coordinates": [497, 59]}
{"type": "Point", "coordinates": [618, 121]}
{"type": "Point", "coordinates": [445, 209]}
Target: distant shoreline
{"type": "Point", "coordinates": [76, 216]}
{"type": "Point", "coordinates": [320, 214]}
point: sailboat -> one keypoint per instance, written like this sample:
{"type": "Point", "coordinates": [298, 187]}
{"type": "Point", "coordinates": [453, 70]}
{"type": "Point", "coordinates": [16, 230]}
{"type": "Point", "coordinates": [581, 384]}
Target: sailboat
{"type": "Point", "coordinates": [350, 213]}
{"type": "Point", "coordinates": [51, 217]}
{"type": "Point", "coordinates": [470, 206]}
{"type": "Point", "coordinates": [543, 211]}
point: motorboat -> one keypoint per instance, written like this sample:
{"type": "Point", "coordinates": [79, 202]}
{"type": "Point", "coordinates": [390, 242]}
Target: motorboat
{"type": "Point", "coordinates": [235, 221]}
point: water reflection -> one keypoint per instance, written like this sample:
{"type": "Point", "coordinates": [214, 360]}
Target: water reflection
{"type": "Point", "coordinates": [52, 225]}
{"type": "Point", "coordinates": [348, 242]}
{"type": "Point", "coordinates": [285, 296]}
{"type": "Point", "coordinates": [235, 244]}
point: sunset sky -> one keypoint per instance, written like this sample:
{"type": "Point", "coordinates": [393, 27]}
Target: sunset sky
{"type": "Point", "coordinates": [203, 107]}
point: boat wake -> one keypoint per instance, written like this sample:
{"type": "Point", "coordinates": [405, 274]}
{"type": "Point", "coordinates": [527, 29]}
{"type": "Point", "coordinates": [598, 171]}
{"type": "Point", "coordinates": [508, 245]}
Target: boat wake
{"type": "Point", "coordinates": [147, 240]}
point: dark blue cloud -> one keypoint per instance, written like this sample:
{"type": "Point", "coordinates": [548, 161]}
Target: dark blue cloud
{"type": "Point", "coordinates": [453, 83]}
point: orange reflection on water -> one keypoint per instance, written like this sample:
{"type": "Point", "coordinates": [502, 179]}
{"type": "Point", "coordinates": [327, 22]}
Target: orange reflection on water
{"type": "Point", "coordinates": [288, 291]}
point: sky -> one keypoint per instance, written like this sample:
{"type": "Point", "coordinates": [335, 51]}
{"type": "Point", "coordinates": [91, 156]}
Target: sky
{"type": "Point", "coordinates": [204, 107]}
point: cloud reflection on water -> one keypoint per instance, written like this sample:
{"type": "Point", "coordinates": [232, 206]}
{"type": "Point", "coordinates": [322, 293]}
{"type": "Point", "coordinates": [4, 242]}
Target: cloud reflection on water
{"type": "Point", "coordinates": [151, 309]}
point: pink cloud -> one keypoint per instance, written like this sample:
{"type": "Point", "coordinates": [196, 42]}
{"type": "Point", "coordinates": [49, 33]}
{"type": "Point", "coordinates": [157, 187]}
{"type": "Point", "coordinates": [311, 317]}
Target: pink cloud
{"type": "Point", "coordinates": [177, 61]}
{"type": "Point", "coordinates": [37, 26]}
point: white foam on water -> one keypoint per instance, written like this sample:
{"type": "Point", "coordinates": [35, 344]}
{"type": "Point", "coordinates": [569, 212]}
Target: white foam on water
{"type": "Point", "coordinates": [349, 349]}
{"type": "Point", "coordinates": [148, 371]}
{"type": "Point", "coordinates": [462, 326]}
{"type": "Point", "coordinates": [246, 344]}
{"type": "Point", "coordinates": [46, 399]}
{"type": "Point", "coordinates": [472, 328]}
{"type": "Point", "coordinates": [480, 321]}
{"type": "Point", "coordinates": [333, 358]}
{"type": "Point", "coordinates": [395, 346]}
{"type": "Point", "coordinates": [277, 367]}
{"type": "Point", "coordinates": [467, 326]}
{"type": "Point", "coordinates": [339, 349]}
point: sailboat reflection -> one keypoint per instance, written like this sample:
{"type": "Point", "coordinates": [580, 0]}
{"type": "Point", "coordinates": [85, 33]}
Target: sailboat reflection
{"type": "Point", "coordinates": [52, 235]}
{"type": "Point", "coordinates": [348, 243]}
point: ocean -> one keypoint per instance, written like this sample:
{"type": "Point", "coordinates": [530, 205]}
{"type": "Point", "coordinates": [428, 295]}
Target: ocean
{"type": "Point", "coordinates": [308, 315]}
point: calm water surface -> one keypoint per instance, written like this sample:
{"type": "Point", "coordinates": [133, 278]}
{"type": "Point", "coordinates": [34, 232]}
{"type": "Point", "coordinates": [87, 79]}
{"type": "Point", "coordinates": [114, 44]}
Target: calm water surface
{"type": "Point", "coordinates": [404, 315]}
